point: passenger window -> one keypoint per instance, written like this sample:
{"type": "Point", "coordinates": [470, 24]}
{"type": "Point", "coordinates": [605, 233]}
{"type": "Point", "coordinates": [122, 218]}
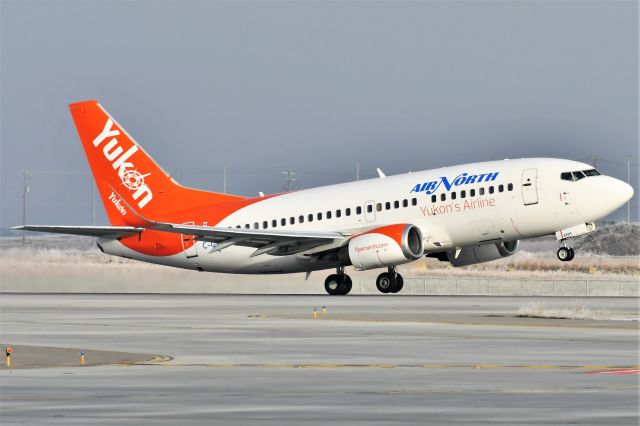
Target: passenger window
{"type": "Point", "coordinates": [256, 225]}
{"type": "Point", "coordinates": [265, 224]}
{"type": "Point", "coordinates": [301, 219]}
{"type": "Point", "coordinates": [396, 204]}
{"type": "Point", "coordinates": [274, 223]}
{"type": "Point", "coordinates": [338, 213]}
{"type": "Point", "coordinates": [369, 208]}
{"type": "Point", "coordinates": [510, 187]}
{"type": "Point", "coordinates": [247, 226]}
{"type": "Point", "coordinates": [283, 221]}
{"type": "Point", "coordinates": [310, 217]}
{"type": "Point", "coordinates": [378, 207]}
{"type": "Point", "coordinates": [358, 210]}
{"type": "Point", "coordinates": [329, 215]}
{"type": "Point", "coordinates": [472, 193]}
{"type": "Point", "coordinates": [405, 203]}
{"type": "Point", "coordinates": [481, 190]}
{"type": "Point", "coordinates": [434, 198]}
{"type": "Point", "coordinates": [238, 226]}
{"type": "Point", "coordinates": [319, 216]}
{"type": "Point", "coordinates": [347, 211]}
{"type": "Point", "coordinates": [500, 188]}
{"type": "Point", "coordinates": [292, 220]}
{"type": "Point", "coordinates": [491, 190]}
{"type": "Point", "coordinates": [443, 197]}
{"type": "Point", "coordinates": [387, 206]}
{"type": "Point", "coordinates": [453, 195]}
{"type": "Point", "coordinates": [463, 194]}
{"type": "Point", "coordinates": [414, 201]}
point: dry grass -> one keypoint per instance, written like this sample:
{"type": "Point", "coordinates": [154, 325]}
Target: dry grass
{"type": "Point", "coordinates": [575, 312]}
{"type": "Point", "coordinates": [537, 265]}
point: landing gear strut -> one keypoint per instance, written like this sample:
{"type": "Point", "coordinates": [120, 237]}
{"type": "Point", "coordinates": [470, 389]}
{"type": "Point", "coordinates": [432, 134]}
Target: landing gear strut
{"type": "Point", "coordinates": [565, 253]}
{"type": "Point", "coordinates": [390, 282]}
{"type": "Point", "coordinates": [338, 283]}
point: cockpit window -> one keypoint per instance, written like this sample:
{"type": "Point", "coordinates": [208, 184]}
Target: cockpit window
{"type": "Point", "coordinates": [577, 175]}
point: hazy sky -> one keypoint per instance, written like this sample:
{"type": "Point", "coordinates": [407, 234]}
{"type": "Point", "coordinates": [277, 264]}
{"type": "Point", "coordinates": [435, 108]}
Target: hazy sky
{"type": "Point", "coordinates": [311, 86]}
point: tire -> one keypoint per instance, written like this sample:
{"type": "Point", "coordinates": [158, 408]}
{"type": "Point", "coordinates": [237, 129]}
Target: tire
{"type": "Point", "coordinates": [564, 254]}
{"type": "Point", "coordinates": [572, 254]}
{"type": "Point", "coordinates": [385, 282]}
{"type": "Point", "coordinates": [347, 284]}
{"type": "Point", "coordinates": [399, 284]}
{"type": "Point", "coordinates": [334, 285]}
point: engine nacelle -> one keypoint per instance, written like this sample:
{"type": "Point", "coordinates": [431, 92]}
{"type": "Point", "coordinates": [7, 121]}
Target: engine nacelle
{"type": "Point", "coordinates": [483, 253]}
{"type": "Point", "coordinates": [385, 246]}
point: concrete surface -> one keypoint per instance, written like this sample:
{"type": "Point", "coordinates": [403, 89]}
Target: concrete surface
{"type": "Point", "coordinates": [371, 360]}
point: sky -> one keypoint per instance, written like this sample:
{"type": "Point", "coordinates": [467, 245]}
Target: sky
{"type": "Point", "coordinates": [311, 87]}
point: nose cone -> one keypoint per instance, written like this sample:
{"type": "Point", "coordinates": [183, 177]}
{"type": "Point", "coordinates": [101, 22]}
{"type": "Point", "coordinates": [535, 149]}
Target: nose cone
{"type": "Point", "coordinates": [625, 191]}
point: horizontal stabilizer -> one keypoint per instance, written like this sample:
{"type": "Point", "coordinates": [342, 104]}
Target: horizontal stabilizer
{"type": "Point", "coordinates": [88, 231]}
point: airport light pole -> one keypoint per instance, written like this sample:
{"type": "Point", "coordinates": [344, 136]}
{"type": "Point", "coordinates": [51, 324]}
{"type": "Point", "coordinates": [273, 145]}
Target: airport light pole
{"type": "Point", "coordinates": [93, 203]}
{"type": "Point", "coordinates": [25, 191]}
{"type": "Point", "coordinates": [358, 169]}
{"type": "Point", "coordinates": [224, 178]}
{"type": "Point", "coordinates": [595, 160]}
{"type": "Point", "coordinates": [629, 182]}
{"type": "Point", "coordinates": [289, 177]}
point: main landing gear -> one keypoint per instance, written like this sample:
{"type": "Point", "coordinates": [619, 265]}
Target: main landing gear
{"type": "Point", "coordinates": [390, 282]}
{"type": "Point", "coordinates": [565, 253]}
{"type": "Point", "coordinates": [339, 283]}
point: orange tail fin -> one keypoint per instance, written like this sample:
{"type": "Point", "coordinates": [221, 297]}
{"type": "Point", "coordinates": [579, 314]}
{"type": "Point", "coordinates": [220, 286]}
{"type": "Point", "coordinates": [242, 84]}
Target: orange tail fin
{"type": "Point", "coordinates": [122, 168]}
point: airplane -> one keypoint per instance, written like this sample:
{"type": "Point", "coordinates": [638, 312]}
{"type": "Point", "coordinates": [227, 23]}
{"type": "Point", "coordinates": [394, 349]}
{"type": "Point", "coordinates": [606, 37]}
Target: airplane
{"type": "Point", "coordinates": [463, 214]}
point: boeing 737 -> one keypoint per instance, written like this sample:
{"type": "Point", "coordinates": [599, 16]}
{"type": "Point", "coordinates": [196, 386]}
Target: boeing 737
{"type": "Point", "coordinates": [462, 214]}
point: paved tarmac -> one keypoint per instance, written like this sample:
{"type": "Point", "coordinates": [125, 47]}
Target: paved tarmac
{"type": "Point", "coordinates": [369, 360]}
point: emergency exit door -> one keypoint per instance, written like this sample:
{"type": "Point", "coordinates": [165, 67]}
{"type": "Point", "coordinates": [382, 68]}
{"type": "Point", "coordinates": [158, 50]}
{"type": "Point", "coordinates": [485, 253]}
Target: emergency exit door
{"type": "Point", "coordinates": [530, 186]}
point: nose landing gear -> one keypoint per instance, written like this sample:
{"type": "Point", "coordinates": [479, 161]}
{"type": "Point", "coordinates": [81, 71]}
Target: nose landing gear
{"type": "Point", "coordinates": [339, 283]}
{"type": "Point", "coordinates": [390, 282]}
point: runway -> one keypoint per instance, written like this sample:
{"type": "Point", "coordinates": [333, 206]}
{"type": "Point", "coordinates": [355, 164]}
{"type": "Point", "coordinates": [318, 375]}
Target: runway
{"type": "Point", "coordinates": [367, 360]}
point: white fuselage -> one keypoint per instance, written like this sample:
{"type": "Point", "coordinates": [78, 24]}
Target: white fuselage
{"type": "Point", "coordinates": [506, 201]}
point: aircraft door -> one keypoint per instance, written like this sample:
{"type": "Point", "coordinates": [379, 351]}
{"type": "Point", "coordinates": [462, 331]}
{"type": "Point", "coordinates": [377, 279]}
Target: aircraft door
{"type": "Point", "coordinates": [189, 244]}
{"type": "Point", "coordinates": [370, 211]}
{"type": "Point", "coordinates": [530, 186]}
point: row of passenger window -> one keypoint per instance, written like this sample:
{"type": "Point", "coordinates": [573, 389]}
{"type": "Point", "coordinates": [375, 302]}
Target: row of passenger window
{"type": "Point", "coordinates": [369, 207]}
{"type": "Point", "coordinates": [574, 176]}
{"type": "Point", "coordinates": [329, 214]}
{"type": "Point", "coordinates": [472, 192]}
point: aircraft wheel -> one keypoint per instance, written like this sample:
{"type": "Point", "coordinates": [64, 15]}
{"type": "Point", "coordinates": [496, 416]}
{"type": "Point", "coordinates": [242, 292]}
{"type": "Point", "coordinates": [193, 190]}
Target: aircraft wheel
{"type": "Point", "coordinates": [385, 282]}
{"type": "Point", "coordinates": [572, 254]}
{"type": "Point", "coordinates": [564, 254]}
{"type": "Point", "coordinates": [399, 284]}
{"type": "Point", "coordinates": [334, 284]}
{"type": "Point", "coordinates": [347, 284]}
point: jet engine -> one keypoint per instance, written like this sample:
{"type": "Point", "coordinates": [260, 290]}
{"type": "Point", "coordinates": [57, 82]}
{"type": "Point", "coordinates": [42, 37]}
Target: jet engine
{"type": "Point", "coordinates": [482, 253]}
{"type": "Point", "coordinates": [382, 247]}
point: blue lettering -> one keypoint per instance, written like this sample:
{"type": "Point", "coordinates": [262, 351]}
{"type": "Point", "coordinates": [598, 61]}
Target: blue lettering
{"type": "Point", "coordinates": [491, 177]}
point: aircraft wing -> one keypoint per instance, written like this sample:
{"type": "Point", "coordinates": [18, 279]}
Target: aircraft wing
{"type": "Point", "coordinates": [265, 241]}
{"type": "Point", "coordinates": [89, 231]}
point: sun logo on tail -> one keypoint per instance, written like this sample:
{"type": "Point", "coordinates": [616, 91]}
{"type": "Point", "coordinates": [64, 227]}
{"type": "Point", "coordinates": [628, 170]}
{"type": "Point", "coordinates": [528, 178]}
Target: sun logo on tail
{"type": "Point", "coordinates": [133, 179]}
